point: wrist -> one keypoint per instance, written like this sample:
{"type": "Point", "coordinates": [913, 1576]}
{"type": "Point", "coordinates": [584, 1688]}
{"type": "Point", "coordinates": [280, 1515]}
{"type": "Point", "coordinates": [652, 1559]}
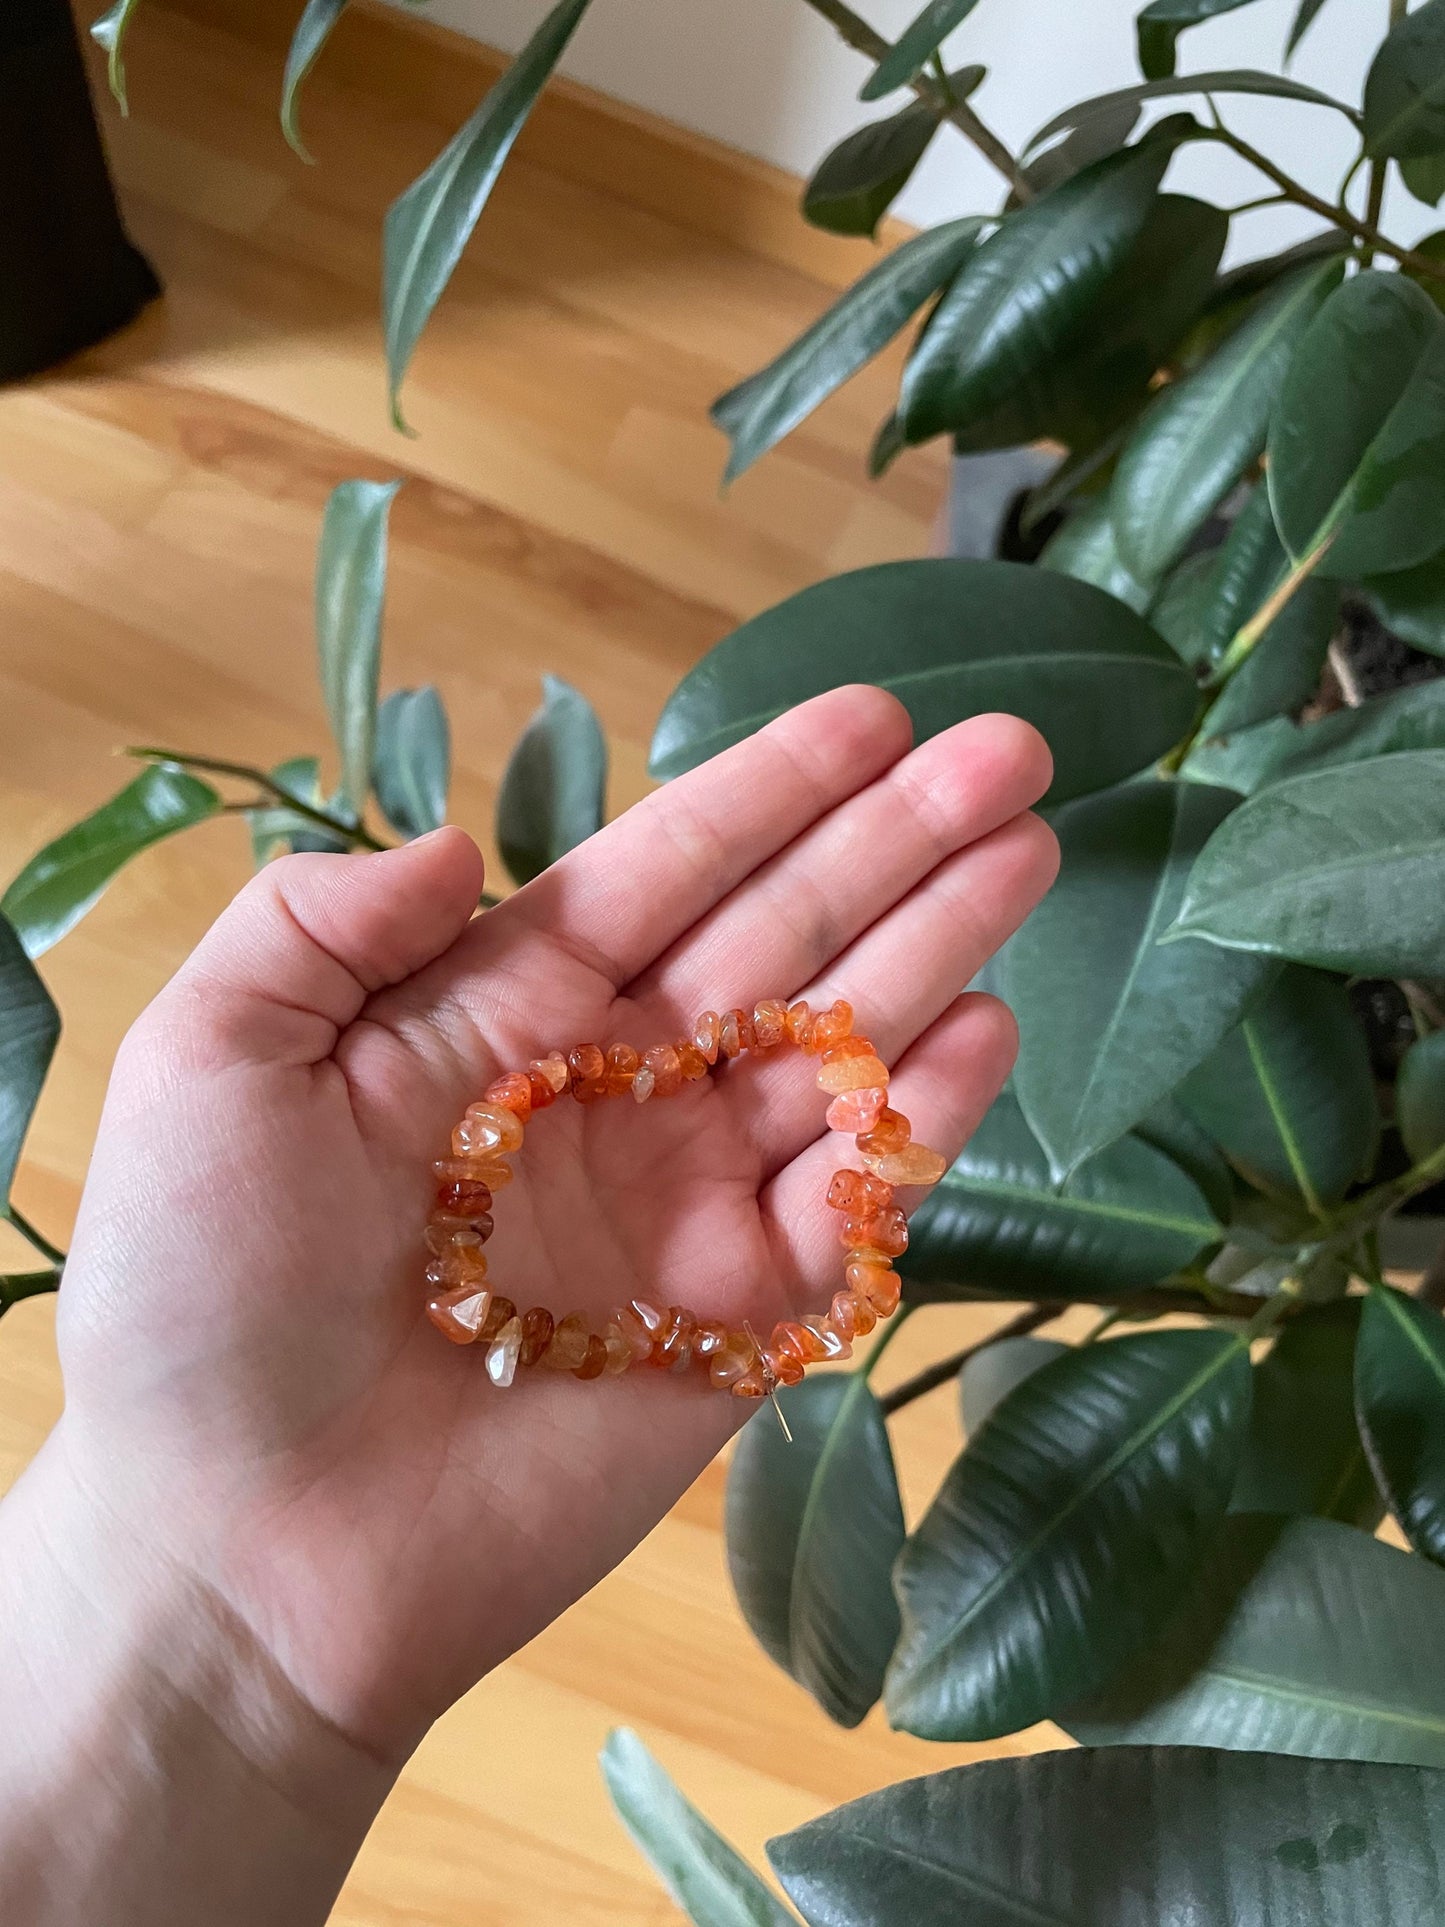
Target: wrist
{"type": "Point", "coordinates": [158, 1763]}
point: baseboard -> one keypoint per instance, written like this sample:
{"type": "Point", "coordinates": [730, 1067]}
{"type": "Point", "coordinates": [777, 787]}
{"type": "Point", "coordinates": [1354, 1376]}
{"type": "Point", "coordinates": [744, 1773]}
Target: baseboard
{"type": "Point", "coordinates": [584, 135]}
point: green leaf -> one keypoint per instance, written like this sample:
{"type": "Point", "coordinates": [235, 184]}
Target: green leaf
{"type": "Point", "coordinates": [1298, 1636]}
{"type": "Point", "coordinates": [1129, 1837]}
{"type": "Point", "coordinates": [109, 31]}
{"type": "Point", "coordinates": [412, 760]}
{"type": "Point", "coordinates": [427, 227]}
{"type": "Point", "coordinates": [29, 1032]}
{"type": "Point", "coordinates": [1400, 1397]}
{"type": "Point", "coordinates": [1300, 25]}
{"type": "Point", "coordinates": [1233, 80]}
{"type": "Point", "coordinates": [1204, 431]}
{"type": "Point", "coordinates": [813, 1529]}
{"type": "Point", "coordinates": [997, 1225]}
{"type": "Point", "coordinates": [1110, 1020]}
{"type": "Point", "coordinates": [1289, 1095]}
{"type": "Point", "coordinates": [712, 1883]}
{"type": "Point", "coordinates": [1357, 438]}
{"type": "Point", "coordinates": [1420, 1097]}
{"type": "Point", "coordinates": [991, 1374]}
{"type": "Point", "coordinates": [1105, 134]}
{"type": "Point", "coordinates": [951, 638]}
{"type": "Point", "coordinates": [350, 595]}
{"type": "Point", "coordinates": [1170, 1129]}
{"type": "Point", "coordinates": [1338, 867]}
{"type": "Point", "coordinates": [1027, 291]}
{"type": "Point", "coordinates": [915, 46]}
{"type": "Point", "coordinates": [1100, 379]}
{"type": "Point", "coordinates": [1304, 1452]}
{"type": "Point", "coordinates": [768, 405]}
{"type": "Point", "coordinates": [1238, 286]}
{"type": "Point", "coordinates": [1411, 603]}
{"type": "Point", "coordinates": [1424, 176]}
{"type": "Point", "coordinates": [858, 180]}
{"type": "Point", "coordinates": [554, 787]}
{"type": "Point", "coordinates": [61, 882]}
{"type": "Point", "coordinates": [313, 30]}
{"type": "Point", "coordinates": [1405, 87]}
{"type": "Point", "coordinates": [1098, 1481]}
{"type": "Point", "coordinates": [1159, 26]}
{"type": "Point", "coordinates": [1411, 718]}
{"type": "Point", "coordinates": [275, 830]}
{"type": "Point", "coordinates": [1085, 547]}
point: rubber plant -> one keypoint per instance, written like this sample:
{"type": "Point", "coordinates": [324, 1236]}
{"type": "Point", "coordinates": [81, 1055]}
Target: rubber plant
{"type": "Point", "coordinates": [1230, 1096]}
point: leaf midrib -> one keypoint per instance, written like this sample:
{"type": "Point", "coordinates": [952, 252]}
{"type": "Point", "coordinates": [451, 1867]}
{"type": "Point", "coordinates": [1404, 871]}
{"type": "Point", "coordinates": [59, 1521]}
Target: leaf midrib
{"type": "Point", "coordinates": [1270, 1686]}
{"type": "Point", "coordinates": [1088, 1207]}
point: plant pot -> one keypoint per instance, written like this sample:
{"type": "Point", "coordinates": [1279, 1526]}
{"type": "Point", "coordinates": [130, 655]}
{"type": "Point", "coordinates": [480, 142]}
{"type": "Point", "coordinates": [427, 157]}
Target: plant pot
{"type": "Point", "coordinates": [69, 273]}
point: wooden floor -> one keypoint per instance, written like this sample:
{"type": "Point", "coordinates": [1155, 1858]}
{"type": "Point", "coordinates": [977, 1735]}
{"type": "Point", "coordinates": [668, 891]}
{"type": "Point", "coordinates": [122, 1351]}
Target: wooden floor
{"type": "Point", "coordinates": [158, 506]}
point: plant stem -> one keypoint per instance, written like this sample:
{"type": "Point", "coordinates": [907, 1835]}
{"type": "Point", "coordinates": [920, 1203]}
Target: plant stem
{"type": "Point", "coordinates": [854, 29]}
{"type": "Point", "coordinates": [1336, 215]}
{"type": "Point", "coordinates": [244, 772]}
{"type": "Point", "coordinates": [938, 1374]}
{"type": "Point", "coordinates": [1379, 168]}
{"type": "Point", "coordinates": [26, 1284]}
{"type": "Point", "coordinates": [32, 1237]}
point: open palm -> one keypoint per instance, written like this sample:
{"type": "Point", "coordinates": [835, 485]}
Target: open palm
{"type": "Point", "coordinates": [251, 1387]}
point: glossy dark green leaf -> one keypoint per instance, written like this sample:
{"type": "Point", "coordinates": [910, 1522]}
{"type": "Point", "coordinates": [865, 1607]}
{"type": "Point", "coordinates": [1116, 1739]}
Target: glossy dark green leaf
{"type": "Point", "coordinates": [1357, 438]}
{"type": "Point", "coordinates": [1204, 431]}
{"type": "Point", "coordinates": [29, 1032]}
{"type": "Point", "coordinates": [1297, 1636]}
{"type": "Point", "coordinates": [1405, 87]}
{"type": "Point", "coordinates": [1099, 1480]}
{"type": "Point", "coordinates": [1129, 1837]}
{"type": "Point", "coordinates": [276, 830]}
{"type": "Point", "coordinates": [1411, 603]}
{"type": "Point", "coordinates": [1240, 284]}
{"type": "Point", "coordinates": [1233, 80]}
{"type": "Point", "coordinates": [1424, 176]}
{"type": "Point", "coordinates": [710, 1881]}
{"type": "Point", "coordinates": [109, 31]}
{"type": "Point", "coordinates": [1027, 292]}
{"type": "Point", "coordinates": [1160, 24]}
{"type": "Point", "coordinates": [61, 882]}
{"type": "Point", "coordinates": [350, 595]}
{"type": "Point", "coordinates": [313, 30]}
{"type": "Point", "coordinates": [991, 1374]}
{"type": "Point", "coordinates": [1110, 1019]}
{"type": "Point", "coordinates": [768, 405]}
{"type": "Point", "coordinates": [1420, 1097]}
{"type": "Point", "coordinates": [553, 793]}
{"type": "Point", "coordinates": [1303, 20]}
{"type": "Point", "coordinates": [998, 1225]}
{"type": "Point", "coordinates": [412, 760]}
{"type": "Point", "coordinates": [1338, 867]}
{"type": "Point", "coordinates": [857, 181]}
{"type": "Point", "coordinates": [950, 638]}
{"type": "Point", "coordinates": [812, 1530]}
{"type": "Point", "coordinates": [1086, 548]}
{"type": "Point", "coordinates": [915, 46]}
{"type": "Point", "coordinates": [1400, 1397]}
{"type": "Point", "coordinates": [427, 227]}
{"type": "Point", "coordinates": [1105, 134]}
{"type": "Point", "coordinates": [1411, 718]}
{"type": "Point", "coordinates": [1101, 378]}
{"type": "Point", "coordinates": [1289, 1094]}
{"type": "Point", "coordinates": [1169, 1128]}
{"type": "Point", "coordinates": [1304, 1452]}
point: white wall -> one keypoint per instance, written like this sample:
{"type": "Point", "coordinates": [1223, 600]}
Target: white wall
{"type": "Point", "coordinates": [772, 78]}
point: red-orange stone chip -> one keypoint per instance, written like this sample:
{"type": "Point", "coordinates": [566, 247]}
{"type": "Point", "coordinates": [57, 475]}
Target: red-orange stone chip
{"type": "Point", "coordinates": [594, 1359]}
{"type": "Point", "coordinates": [890, 1133]}
{"type": "Point", "coordinates": [537, 1327]}
{"type": "Point", "coordinates": [513, 1092]}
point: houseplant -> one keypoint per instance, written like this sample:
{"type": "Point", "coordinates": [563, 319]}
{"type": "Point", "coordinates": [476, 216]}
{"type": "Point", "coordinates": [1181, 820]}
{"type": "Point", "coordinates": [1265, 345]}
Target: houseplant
{"type": "Point", "coordinates": [1230, 1098]}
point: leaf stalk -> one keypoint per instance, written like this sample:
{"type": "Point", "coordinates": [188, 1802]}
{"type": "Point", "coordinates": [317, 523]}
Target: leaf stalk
{"type": "Point", "coordinates": [354, 833]}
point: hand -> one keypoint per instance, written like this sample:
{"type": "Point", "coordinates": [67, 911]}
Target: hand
{"type": "Point", "coordinates": [254, 1396]}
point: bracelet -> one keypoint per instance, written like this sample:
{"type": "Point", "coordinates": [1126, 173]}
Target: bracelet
{"type": "Point", "coordinates": [873, 1233]}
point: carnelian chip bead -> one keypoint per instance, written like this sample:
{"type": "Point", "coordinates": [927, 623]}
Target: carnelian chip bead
{"type": "Point", "coordinates": [594, 1358]}
{"type": "Point", "coordinates": [458, 1314]}
{"type": "Point", "coordinates": [553, 1070]}
{"type": "Point", "coordinates": [633, 1332]}
{"type": "Point", "coordinates": [512, 1093]}
{"type": "Point", "coordinates": [858, 1192]}
{"type": "Point", "coordinates": [843, 1314]}
{"type": "Point", "coordinates": [622, 1063]}
{"type": "Point", "coordinates": [834, 1344]}
{"type": "Point", "coordinates": [829, 1026]}
{"type": "Point", "coordinates": [784, 1368]}
{"type": "Point", "coordinates": [642, 1083]}
{"type": "Point", "coordinates": [691, 1062]}
{"type": "Point", "coordinates": [874, 1280]}
{"type": "Point", "coordinates": [914, 1164]}
{"type": "Point", "coordinates": [588, 1068]}
{"type": "Point", "coordinates": [770, 1022]}
{"type": "Point", "coordinates": [890, 1133]}
{"type": "Point", "coordinates": [839, 1073]}
{"type": "Point", "coordinates": [662, 1060]}
{"type": "Point", "coordinates": [498, 1311]}
{"type": "Point", "coordinates": [855, 1111]}
{"type": "Point", "coordinates": [710, 1339]}
{"type": "Point", "coordinates": [730, 1040]}
{"type": "Point", "coordinates": [537, 1328]}
{"type": "Point", "coordinates": [736, 1359]}
{"type": "Point", "coordinates": [884, 1230]}
{"type": "Point", "coordinates": [853, 1045]}
{"type": "Point", "coordinates": [672, 1350]}
{"type": "Point", "coordinates": [458, 1263]}
{"type": "Point", "coordinates": [442, 1233]}
{"type": "Point", "coordinates": [799, 1024]}
{"type": "Point", "coordinates": [503, 1352]}
{"type": "Point", "coordinates": [464, 1198]}
{"type": "Point", "coordinates": [651, 1317]}
{"type": "Point", "coordinates": [487, 1128]}
{"type": "Point", "coordinates": [864, 1316]}
{"type": "Point", "coordinates": [542, 1092]}
{"type": "Point", "coordinates": [568, 1348]}
{"type": "Point", "coordinates": [750, 1384]}
{"type": "Point", "coordinates": [619, 1352]}
{"type": "Point", "coordinates": [706, 1034]}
